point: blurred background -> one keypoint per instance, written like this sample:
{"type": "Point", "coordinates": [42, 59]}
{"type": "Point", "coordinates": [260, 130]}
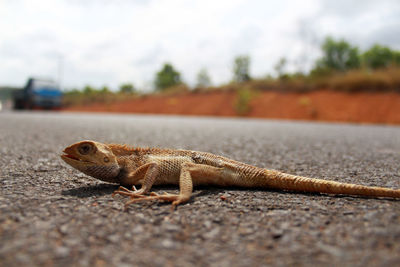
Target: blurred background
{"type": "Point", "coordinates": [313, 60]}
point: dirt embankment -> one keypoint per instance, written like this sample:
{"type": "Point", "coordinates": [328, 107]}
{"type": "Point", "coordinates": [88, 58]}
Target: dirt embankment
{"type": "Point", "coordinates": [323, 105]}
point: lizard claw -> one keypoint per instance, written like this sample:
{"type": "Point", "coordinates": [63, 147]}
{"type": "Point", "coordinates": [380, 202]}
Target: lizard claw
{"type": "Point", "coordinates": [134, 193]}
{"type": "Point", "coordinates": [120, 190]}
{"type": "Point", "coordinates": [137, 195]}
{"type": "Point", "coordinates": [175, 199]}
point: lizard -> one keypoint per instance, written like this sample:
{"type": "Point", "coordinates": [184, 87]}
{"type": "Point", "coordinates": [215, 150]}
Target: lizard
{"type": "Point", "coordinates": [133, 166]}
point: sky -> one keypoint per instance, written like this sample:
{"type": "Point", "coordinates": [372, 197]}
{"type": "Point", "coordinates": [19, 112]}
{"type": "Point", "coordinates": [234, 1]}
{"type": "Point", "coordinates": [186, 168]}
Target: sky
{"type": "Point", "coordinates": [111, 42]}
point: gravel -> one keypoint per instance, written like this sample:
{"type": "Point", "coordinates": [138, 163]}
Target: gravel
{"type": "Point", "coordinates": [50, 214]}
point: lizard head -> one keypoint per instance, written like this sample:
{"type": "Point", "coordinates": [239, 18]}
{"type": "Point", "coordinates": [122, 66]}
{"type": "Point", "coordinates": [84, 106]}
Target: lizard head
{"type": "Point", "coordinates": [94, 159]}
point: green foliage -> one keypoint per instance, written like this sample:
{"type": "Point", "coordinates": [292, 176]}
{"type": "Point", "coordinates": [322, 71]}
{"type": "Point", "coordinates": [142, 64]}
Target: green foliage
{"type": "Point", "coordinates": [320, 71]}
{"type": "Point", "coordinates": [87, 90]}
{"type": "Point", "coordinates": [396, 58]}
{"type": "Point", "coordinates": [6, 92]}
{"type": "Point", "coordinates": [338, 55]}
{"type": "Point", "coordinates": [89, 95]}
{"type": "Point", "coordinates": [242, 103]}
{"type": "Point", "coordinates": [280, 67]}
{"type": "Point", "coordinates": [380, 57]}
{"type": "Point", "coordinates": [127, 88]}
{"type": "Point", "coordinates": [241, 69]}
{"type": "Point", "coordinates": [104, 90]}
{"type": "Point", "coordinates": [167, 77]}
{"type": "Point", "coordinates": [203, 79]}
{"type": "Point", "coordinates": [73, 92]}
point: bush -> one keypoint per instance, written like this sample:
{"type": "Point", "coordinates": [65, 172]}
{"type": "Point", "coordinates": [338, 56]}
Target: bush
{"type": "Point", "coordinates": [242, 103]}
{"type": "Point", "coordinates": [363, 80]}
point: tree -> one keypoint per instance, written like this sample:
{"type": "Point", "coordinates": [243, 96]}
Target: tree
{"type": "Point", "coordinates": [241, 69]}
{"type": "Point", "coordinates": [104, 90]}
{"type": "Point", "coordinates": [88, 90]}
{"type": "Point", "coordinates": [126, 88]}
{"type": "Point", "coordinates": [379, 57]}
{"type": "Point", "coordinates": [396, 58]}
{"type": "Point", "coordinates": [167, 77]}
{"type": "Point", "coordinates": [338, 55]}
{"type": "Point", "coordinates": [203, 79]}
{"type": "Point", "coordinates": [280, 67]}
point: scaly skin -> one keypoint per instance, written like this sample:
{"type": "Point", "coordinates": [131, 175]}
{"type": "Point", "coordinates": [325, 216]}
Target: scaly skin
{"type": "Point", "coordinates": [151, 166]}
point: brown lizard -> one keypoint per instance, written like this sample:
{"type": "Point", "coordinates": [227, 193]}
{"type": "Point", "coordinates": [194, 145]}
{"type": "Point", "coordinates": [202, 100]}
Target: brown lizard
{"type": "Point", "coordinates": [153, 166]}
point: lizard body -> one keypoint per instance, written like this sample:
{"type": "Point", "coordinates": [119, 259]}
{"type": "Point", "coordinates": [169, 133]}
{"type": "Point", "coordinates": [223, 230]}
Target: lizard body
{"type": "Point", "coordinates": [151, 166]}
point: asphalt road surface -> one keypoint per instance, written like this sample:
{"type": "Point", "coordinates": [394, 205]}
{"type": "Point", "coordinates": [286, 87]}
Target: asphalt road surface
{"type": "Point", "coordinates": [50, 214]}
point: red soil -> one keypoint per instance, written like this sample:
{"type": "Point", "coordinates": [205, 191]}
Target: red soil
{"type": "Point", "coordinates": [363, 107]}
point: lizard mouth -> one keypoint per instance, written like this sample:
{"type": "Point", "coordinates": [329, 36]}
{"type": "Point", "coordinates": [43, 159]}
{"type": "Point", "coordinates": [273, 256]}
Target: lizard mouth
{"type": "Point", "coordinates": [72, 157]}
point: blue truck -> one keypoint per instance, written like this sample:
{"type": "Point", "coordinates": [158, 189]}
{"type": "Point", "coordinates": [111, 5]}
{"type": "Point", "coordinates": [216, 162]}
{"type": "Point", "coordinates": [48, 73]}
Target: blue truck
{"type": "Point", "coordinates": [38, 94]}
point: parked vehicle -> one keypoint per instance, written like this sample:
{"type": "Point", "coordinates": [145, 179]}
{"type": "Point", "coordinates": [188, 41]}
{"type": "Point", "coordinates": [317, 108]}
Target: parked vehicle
{"type": "Point", "coordinates": [38, 93]}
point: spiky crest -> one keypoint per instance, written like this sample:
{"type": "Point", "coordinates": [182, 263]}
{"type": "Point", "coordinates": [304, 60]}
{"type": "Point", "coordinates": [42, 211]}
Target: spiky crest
{"type": "Point", "coordinates": [124, 150]}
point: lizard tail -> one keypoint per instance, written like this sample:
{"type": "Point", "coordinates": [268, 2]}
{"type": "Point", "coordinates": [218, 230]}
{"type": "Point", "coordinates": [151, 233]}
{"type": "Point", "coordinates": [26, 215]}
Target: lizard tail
{"type": "Point", "coordinates": [279, 180]}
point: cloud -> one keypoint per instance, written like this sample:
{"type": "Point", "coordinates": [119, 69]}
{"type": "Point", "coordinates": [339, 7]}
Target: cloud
{"type": "Point", "coordinates": [111, 42]}
{"type": "Point", "coordinates": [360, 22]}
{"type": "Point", "coordinates": [387, 34]}
{"type": "Point", "coordinates": [351, 9]}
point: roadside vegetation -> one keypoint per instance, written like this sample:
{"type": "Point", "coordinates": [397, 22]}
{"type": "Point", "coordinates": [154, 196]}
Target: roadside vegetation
{"type": "Point", "coordinates": [342, 67]}
{"type": "Point", "coordinates": [89, 95]}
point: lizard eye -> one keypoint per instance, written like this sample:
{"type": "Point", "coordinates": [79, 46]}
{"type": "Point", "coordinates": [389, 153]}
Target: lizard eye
{"type": "Point", "coordinates": [85, 149]}
{"type": "Point", "coordinates": [106, 159]}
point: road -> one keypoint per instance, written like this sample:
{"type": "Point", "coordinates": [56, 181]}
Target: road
{"type": "Point", "coordinates": [52, 215]}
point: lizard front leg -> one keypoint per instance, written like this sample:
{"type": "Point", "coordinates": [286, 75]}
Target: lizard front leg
{"type": "Point", "coordinates": [188, 169]}
{"type": "Point", "coordinates": [147, 172]}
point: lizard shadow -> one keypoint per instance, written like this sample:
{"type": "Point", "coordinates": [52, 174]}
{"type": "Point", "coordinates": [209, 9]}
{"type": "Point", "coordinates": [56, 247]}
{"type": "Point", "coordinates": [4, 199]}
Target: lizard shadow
{"type": "Point", "coordinates": [203, 190]}
{"type": "Point", "coordinates": [104, 189]}
{"type": "Point", "coordinates": [107, 189]}
{"type": "Point", "coordinates": [90, 190]}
